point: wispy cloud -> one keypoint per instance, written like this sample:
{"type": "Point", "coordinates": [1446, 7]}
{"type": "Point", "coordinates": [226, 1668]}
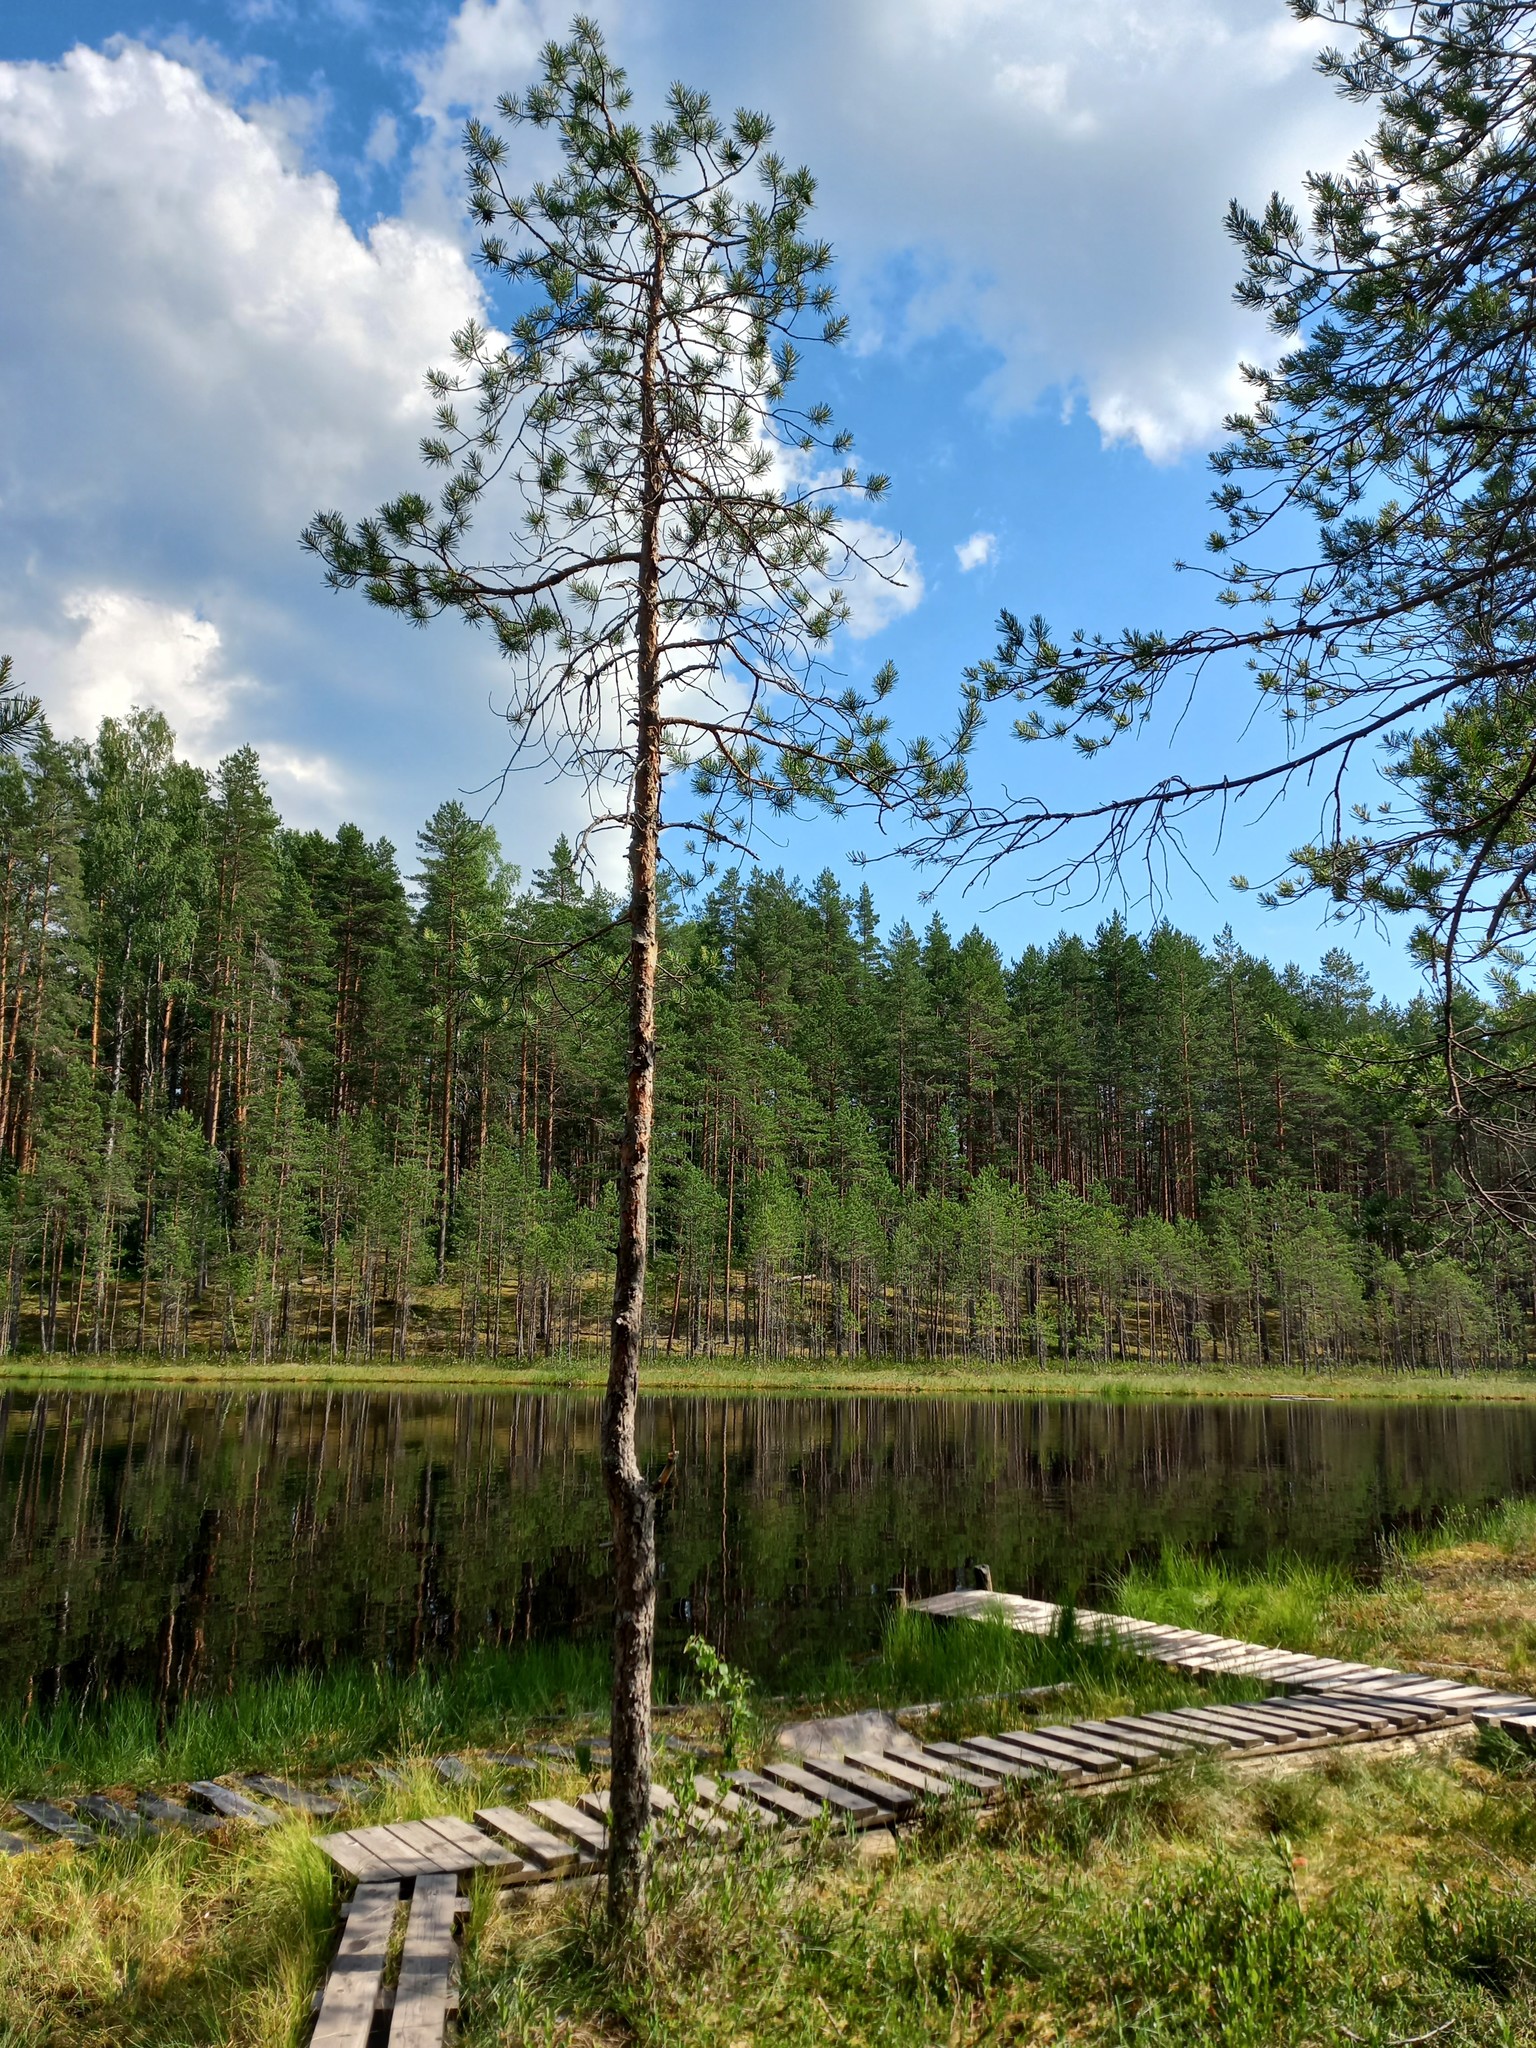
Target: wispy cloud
{"type": "Point", "coordinates": [976, 552]}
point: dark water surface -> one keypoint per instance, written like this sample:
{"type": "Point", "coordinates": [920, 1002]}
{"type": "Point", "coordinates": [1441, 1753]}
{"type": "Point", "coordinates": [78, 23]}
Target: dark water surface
{"type": "Point", "coordinates": [178, 1539]}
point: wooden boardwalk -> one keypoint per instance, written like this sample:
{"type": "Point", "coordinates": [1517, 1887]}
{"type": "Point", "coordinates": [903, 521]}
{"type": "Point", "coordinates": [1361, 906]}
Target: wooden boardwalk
{"type": "Point", "coordinates": [407, 1874]}
{"type": "Point", "coordinates": [1205, 1656]}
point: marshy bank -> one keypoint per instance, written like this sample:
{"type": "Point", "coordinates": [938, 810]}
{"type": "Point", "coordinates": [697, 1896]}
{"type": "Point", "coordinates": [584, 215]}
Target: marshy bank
{"type": "Point", "coordinates": [1356, 1895]}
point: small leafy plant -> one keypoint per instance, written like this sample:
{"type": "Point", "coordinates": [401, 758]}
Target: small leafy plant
{"type": "Point", "coordinates": [724, 1686]}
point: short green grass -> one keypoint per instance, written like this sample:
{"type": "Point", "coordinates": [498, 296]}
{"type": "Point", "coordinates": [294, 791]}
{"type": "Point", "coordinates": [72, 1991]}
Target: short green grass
{"type": "Point", "coordinates": [1302, 1904]}
{"type": "Point", "coordinates": [726, 1375]}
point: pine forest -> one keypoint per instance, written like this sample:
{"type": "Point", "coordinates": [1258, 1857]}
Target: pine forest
{"type": "Point", "coordinates": [265, 1093]}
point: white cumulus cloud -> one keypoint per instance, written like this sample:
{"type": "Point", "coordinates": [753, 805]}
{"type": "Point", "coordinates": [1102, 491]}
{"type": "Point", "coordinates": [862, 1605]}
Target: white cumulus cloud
{"type": "Point", "coordinates": [976, 552]}
{"type": "Point", "coordinates": [1047, 180]}
{"type": "Point", "coordinates": [197, 352]}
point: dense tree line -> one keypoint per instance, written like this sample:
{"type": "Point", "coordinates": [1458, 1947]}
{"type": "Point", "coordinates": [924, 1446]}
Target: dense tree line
{"type": "Point", "coordinates": [262, 1092]}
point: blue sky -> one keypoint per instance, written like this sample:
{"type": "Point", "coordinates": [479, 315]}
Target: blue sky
{"type": "Point", "coordinates": [232, 240]}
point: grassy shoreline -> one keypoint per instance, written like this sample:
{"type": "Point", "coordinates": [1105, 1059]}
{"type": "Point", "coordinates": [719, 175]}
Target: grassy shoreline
{"type": "Point", "coordinates": [1347, 1895]}
{"type": "Point", "coordinates": [729, 1377]}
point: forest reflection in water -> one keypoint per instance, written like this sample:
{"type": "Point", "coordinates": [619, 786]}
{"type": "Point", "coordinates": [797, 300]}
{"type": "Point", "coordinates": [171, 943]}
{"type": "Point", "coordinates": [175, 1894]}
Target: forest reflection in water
{"type": "Point", "coordinates": [180, 1540]}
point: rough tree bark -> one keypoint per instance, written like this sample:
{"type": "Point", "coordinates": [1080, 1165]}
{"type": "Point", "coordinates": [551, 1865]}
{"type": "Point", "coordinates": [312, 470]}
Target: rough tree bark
{"type": "Point", "coordinates": [629, 1496]}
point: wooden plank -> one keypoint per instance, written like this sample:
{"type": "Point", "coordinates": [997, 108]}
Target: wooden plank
{"type": "Point", "coordinates": [176, 1815]}
{"type": "Point", "coordinates": [231, 1804]}
{"type": "Point", "coordinates": [1188, 1741]}
{"type": "Point", "coordinates": [935, 1757]}
{"type": "Point", "coordinates": [350, 1789]}
{"type": "Point", "coordinates": [1136, 1745]}
{"type": "Point", "coordinates": [811, 1786]}
{"type": "Point", "coordinates": [478, 1851]}
{"type": "Point", "coordinates": [1064, 1741]}
{"type": "Point", "coordinates": [294, 1796]}
{"type": "Point", "coordinates": [925, 1784]}
{"type": "Point", "coordinates": [1244, 1733]}
{"type": "Point", "coordinates": [531, 1840]}
{"type": "Point", "coordinates": [357, 1860]}
{"type": "Point", "coordinates": [981, 1753]}
{"type": "Point", "coordinates": [1519, 1728]}
{"type": "Point", "coordinates": [1288, 1727]}
{"type": "Point", "coordinates": [570, 1821]}
{"type": "Point", "coordinates": [1405, 1713]}
{"type": "Point", "coordinates": [351, 1991]}
{"type": "Point", "coordinates": [778, 1799]}
{"type": "Point", "coordinates": [115, 1818]}
{"type": "Point", "coordinates": [55, 1821]}
{"type": "Point", "coordinates": [597, 1805]}
{"type": "Point", "coordinates": [844, 1771]}
{"type": "Point", "coordinates": [1209, 1721]}
{"type": "Point", "coordinates": [1346, 1720]}
{"type": "Point", "coordinates": [424, 1991]}
{"type": "Point", "coordinates": [14, 1845]}
{"type": "Point", "coordinates": [732, 1803]}
{"type": "Point", "coordinates": [991, 1749]}
{"type": "Point", "coordinates": [396, 1847]}
{"type": "Point", "coordinates": [1135, 1750]}
{"type": "Point", "coordinates": [420, 1840]}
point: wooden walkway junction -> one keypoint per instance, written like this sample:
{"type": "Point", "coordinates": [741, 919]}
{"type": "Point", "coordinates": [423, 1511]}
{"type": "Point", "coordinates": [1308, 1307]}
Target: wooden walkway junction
{"type": "Point", "coordinates": [407, 1874]}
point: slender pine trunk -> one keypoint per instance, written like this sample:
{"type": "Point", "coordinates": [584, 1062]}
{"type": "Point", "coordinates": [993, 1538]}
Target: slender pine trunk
{"type": "Point", "coordinates": [629, 1497]}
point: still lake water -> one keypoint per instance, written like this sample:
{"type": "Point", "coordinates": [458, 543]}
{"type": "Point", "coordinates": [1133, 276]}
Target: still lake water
{"type": "Point", "coordinates": [179, 1539]}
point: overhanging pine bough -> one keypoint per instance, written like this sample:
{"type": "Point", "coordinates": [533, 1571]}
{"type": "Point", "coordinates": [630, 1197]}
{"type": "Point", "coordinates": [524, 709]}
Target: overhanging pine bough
{"type": "Point", "coordinates": [668, 594]}
{"type": "Point", "coordinates": [1402, 423]}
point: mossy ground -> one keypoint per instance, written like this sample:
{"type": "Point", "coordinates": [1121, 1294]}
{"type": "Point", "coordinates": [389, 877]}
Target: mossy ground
{"type": "Point", "coordinates": [1356, 1896]}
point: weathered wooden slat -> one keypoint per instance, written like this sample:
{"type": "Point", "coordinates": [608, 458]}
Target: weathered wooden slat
{"type": "Point", "coordinates": [396, 1846]}
{"type": "Point", "coordinates": [231, 1804]}
{"type": "Point", "coordinates": [779, 1799]}
{"type": "Point", "coordinates": [55, 1821]}
{"type": "Point", "coordinates": [1289, 1728]}
{"type": "Point", "coordinates": [746, 1811]}
{"type": "Point", "coordinates": [1242, 1734]}
{"type": "Point", "coordinates": [853, 1777]}
{"type": "Point", "coordinates": [174, 1814]}
{"type": "Point", "coordinates": [423, 1994]}
{"type": "Point", "coordinates": [1206, 1721]}
{"type": "Point", "coordinates": [358, 1860]}
{"type": "Point", "coordinates": [983, 1753]}
{"type": "Point", "coordinates": [981, 1777]}
{"type": "Point", "coordinates": [1189, 1740]}
{"type": "Point", "coordinates": [474, 1850]}
{"type": "Point", "coordinates": [454, 1770]}
{"type": "Point", "coordinates": [116, 1818]}
{"type": "Point", "coordinates": [1061, 1741]}
{"type": "Point", "coordinates": [549, 1851]}
{"type": "Point", "coordinates": [294, 1796]}
{"type": "Point", "coordinates": [597, 1805]}
{"type": "Point", "coordinates": [1519, 1728]}
{"type": "Point", "coordinates": [1137, 1751]}
{"type": "Point", "coordinates": [14, 1845]}
{"type": "Point", "coordinates": [812, 1786]}
{"type": "Point", "coordinates": [429, 1854]}
{"type": "Point", "coordinates": [927, 1784]}
{"type": "Point", "coordinates": [589, 1833]}
{"type": "Point", "coordinates": [1134, 1744]}
{"type": "Point", "coordinates": [1347, 1721]}
{"type": "Point", "coordinates": [351, 1991]}
{"type": "Point", "coordinates": [1429, 1713]}
{"type": "Point", "coordinates": [350, 1789]}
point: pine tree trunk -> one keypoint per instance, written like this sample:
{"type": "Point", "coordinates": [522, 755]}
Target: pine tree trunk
{"type": "Point", "coordinates": [629, 1497]}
